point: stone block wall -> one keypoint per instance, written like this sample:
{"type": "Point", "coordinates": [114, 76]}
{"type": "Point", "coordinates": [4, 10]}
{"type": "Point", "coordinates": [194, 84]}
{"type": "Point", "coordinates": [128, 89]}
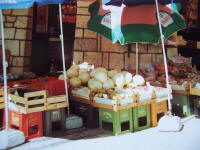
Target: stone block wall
{"type": "Point", "coordinates": [18, 24]}
{"type": "Point", "coordinates": [95, 49]}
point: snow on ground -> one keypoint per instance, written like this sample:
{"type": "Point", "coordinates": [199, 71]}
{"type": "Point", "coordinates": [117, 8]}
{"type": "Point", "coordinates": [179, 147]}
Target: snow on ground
{"type": "Point", "coordinates": [151, 139]}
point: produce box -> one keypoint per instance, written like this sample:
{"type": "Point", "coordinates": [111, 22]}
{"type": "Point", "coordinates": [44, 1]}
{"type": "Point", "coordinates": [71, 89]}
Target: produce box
{"type": "Point", "coordinates": [30, 124]}
{"type": "Point", "coordinates": [29, 103]}
{"type": "Point", "coordinates": [180, 105]}
{"type": "Point", "coordinates": [118, 105]}
{"type": "Point", "coordinates": [157, 110]}
{"type": "Point", "coordinates": [1, 99]}
{"type": "Point", "coordinates": [56, 102]}
{"type": "Point", "coordinates": [115, 123]}
{"type": "Point", "coordinates": [141, 117]}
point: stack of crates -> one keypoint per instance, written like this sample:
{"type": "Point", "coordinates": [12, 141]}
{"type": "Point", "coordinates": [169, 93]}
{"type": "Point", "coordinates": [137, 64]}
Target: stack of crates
{"type": "Point", "coordinates": [116, 123]}
{"type": "Point", "coordinates": [180, 105]}
{"type": "Point", "coordinates": [30, 124]}
{"type": "Point", "coordinates": [27, 115]}
{"type": "Point", "coordinates": [141, 117]}
{"type": "Point", "coordinates": [157, 110]}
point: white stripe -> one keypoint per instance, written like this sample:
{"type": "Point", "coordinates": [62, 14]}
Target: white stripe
{"type": "Point", "coordinates": [8, 1]}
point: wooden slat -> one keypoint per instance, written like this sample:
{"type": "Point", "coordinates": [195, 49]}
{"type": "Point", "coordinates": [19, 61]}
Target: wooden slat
{"type": "Point", "coordinates": [181, 92]}
{"type": "Point", "coordinates": [56, 99]}
{"type": "Point", "coordinates": [194, 91]}
{"type": "Point", "coordinates": [35, 102]}
{"type": "Point", "coordinates": [18, 99]}
{"type": "Point", "coordinates": [35, 109]}
{"type": "Point", "coordinates": [24, 100]}
{"type": "Point", "coordinates": [81, 99]}
{"type": "Point", "coordinates": [56, 105]}
{"type": "Point", "coordinates": [34, 94]}
{"type": "Point", "coordinates": [1, 105]}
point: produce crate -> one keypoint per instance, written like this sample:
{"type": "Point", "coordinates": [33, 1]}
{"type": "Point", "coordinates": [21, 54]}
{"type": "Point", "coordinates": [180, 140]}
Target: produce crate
{"type": "Point", "coordinates": [56, 102]}
{"type": "Point", "coordinates": [30, 124]}
{"type": "Point", "coordinates": [194, 104]}
{"type": "Point", "coordinates": [194, 91]}
{"type": "Point", "coordinates": [1, 119]}
{"type": "Point", "coordinates": [54, 120]}
{"type": "Point", "coordinates": [141, 117]}
{"type": "Point", "coordinates": [1, 98]}
{"type": "Point", "coordinates": [157, 110]}
{"type": "Point", "coordinates": [118, 105]}
{"type": "Point", "coordinates": [180, 105]}
{"type": "Point", "coordinates": [56, 87]}
{"type": "Point", "coordinates": [88, 113]}
{"type": "Point", "coordinates": [31, 102]}
{"type": "Point", "coordinates": [115, 123]}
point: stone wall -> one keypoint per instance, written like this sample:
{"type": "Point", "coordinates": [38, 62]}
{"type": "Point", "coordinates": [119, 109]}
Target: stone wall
{"type": "Point", "coordinates": [95, 49]}
{"type": "Point", "coordinates": [18, 25]}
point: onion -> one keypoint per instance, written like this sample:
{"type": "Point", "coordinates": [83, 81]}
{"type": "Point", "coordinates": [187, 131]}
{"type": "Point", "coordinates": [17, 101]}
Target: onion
{"type": "Point", "coordinates": [127, 77]}
{"type": "Point", "coordinates": [138, 80]}
{"type": "Point", "coordinates": [76, 67]}
{"type": "Point", "coordinates": [111, 73]}
{"type": "Point", "coordinates": [75, 82]}
{"type": "Point", "coordinates": [84, 77]}
{"type": "Point", "coordinates": [72, 73]}
{"type": "Point", "coordinates": [119, 80]}
{"type": "Point", "coordinates": [108, 84]}
{"type": "Point", "coordinates": [94, 84]}
{"type": "Point", "coordinates": [100, 76]}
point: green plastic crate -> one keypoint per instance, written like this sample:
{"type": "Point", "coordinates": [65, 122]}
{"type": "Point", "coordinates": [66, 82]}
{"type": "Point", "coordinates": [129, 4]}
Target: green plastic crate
{"type": "Point", "coordinates": [115, 123]}
{"type": "Point", "coordinates": [141, 117]}
{"type": "Point", "coordinates": [180, 105]}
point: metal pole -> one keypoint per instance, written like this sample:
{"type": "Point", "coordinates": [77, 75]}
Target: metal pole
{"type": "Point", "coordinates": [164, 55]}
{"type": "Point", "coordinates": [136, 58]}
{"type": "Point", "coordinates": [4, 72]}
{"type": "Point", "coordinates": [63, 55]}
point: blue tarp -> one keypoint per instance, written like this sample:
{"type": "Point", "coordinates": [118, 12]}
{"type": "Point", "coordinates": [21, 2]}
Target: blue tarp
{"type": "Point", "coordinates": [21, 4]}
{"type": "Point", "coordinates": [138, 2]}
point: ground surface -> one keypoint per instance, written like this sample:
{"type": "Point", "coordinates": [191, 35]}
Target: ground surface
{"type": "Point", "coordinates": [151, 139]}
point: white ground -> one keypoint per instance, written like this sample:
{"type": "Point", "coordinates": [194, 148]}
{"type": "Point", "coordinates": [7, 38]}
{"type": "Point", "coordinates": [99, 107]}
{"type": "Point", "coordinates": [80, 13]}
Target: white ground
{"type": "Point", "coordinates": [149, 139]}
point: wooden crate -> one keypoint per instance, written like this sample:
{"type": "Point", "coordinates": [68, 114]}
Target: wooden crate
{"type": "Point", "coordinates": [117, 107]}
{"type": "Point", "coordinates": [31, 102]}
{"type": "Point", "coordinates": [194, 91]}
{"type": "Point", "coordinates": [1, 99]}
{"type": "Point", "coordinates": [55, 102]}
{"type": "Point", "coordinates": [157, 110]}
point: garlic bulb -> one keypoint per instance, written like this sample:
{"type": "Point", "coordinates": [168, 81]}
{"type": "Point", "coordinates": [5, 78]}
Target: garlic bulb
{"type": "Point", "coordinates": [119, 80]}
{"type": "Point", "coordinates": [138, 80]}
{"type": "Point", "coordinates": [84, 77]}
{"type": "Point", "coordinates": [127, 77]}
{"type": "Point", "coordinates": [100, 76]}
{"type": "Point", "coordinates": [108, 84]}
{"type": "Point", "coordinates": [75, 82]}
{"type": "Point", "coordinates": [94, 84]}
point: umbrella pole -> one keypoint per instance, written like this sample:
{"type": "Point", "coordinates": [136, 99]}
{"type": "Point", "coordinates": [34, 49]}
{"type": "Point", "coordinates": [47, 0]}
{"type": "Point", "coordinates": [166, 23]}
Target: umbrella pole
{"type": "Point", "coordinates": [136, 58]}
{"type": "Point", "coordinates": [4, 72]}
{"type": "Point", "coordinates": [164, 55]}
{"type": "Point", "coordinates": [63, 55]}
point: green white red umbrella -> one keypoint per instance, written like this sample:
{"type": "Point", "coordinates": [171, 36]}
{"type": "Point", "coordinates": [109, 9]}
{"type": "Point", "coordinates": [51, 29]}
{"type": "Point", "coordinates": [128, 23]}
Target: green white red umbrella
{"type": "Point", "coordinates": [134, 24]}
